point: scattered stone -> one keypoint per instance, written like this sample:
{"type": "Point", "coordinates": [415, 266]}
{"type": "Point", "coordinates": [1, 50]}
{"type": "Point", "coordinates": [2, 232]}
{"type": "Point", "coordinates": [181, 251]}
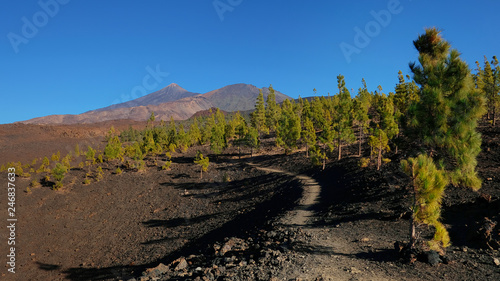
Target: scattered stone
{"type": "Point", "coordinates": [496, 261]}
{"type": "Point", "coordinates": [433, 258]}
{"type": "Point", "coordinates": [365, 239]}
{"type": "Point", "coordinates": [182, 264]}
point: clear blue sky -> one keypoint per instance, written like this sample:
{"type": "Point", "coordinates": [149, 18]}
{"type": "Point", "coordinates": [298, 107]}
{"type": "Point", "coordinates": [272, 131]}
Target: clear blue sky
{"type": "Point", "coordinates": [89, 54]}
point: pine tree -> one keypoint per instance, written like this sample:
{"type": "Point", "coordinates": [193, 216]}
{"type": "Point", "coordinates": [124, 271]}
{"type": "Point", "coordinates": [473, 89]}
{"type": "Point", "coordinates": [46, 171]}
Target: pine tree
{"type": "Point", "coordinates": [46, 163]}
{"type": "Point", "coordinates": [241, 131]}
{"type": "Point", "coordinates": [343, 117]}
{"type": "Point", "coordinates": [258, 117]}
{"type": "Point", "coordinates": [252, 139]}
{"type": "Point", "coordinates": [496, 87]}
{"type": "Point", "coordinates": [272, 110]}
{"type": "Point", "coordinates": [428, 185]}
{"type": "Point", "coordinates": [379, 143]}
{"type": "Point", "coordinates": [58, 173]}
{"type": "Point", "coordinates": [151, 120]}
{"type": "Point", "coordinates": [55, 157]}
{"type": "Point", "coordinates": [217, 140]}
{"type": "Point", "coordinates": [308, 134]}
{"type": "Point", "coordinates": [206, 132]}
{"type": "Point", "coordinates": [148, 144]}
{"type": "Point", "coordinates": [114, 149]}
{"type": "Point", "coordinates": [406, 95]}
{"type": "Point", "coordinates": [90, 155]}
{"type": "Point", "coordinates": [386, 112]}
{"type": "Point", "coordinates": [203, 162]}
{"type": "Point", "coordinates": [182, 139]}
{"type": "Point", "coordinates": [172, 133]}
{"type": "Point", "coordinates": [194, 133]}
{"type": "Point", "coordinates": [488, 84]}
{"type": "Point", "coordinates": [326, 137]}
{"type": "Point", "coordinates": [111, 133]}
{"type": "Point", "coordinates": [288, 129]}
{"type": "Point", "coordinates": [66, 161]}
{"type": "Point", "coordinates": [77, 150]}
{"type": "Point", "coordinates": [446, 116]}
{"type": "Point", "coordinates": [361, 105]}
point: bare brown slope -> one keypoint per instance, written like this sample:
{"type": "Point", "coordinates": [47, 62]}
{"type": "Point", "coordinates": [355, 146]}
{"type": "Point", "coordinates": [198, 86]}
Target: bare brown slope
{"type": "Point", "coordinates": [179, 110]}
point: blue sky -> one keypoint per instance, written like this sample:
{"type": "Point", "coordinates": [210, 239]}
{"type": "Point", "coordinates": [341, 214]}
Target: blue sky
{"type": "Point", "coordinates": [68, 57]}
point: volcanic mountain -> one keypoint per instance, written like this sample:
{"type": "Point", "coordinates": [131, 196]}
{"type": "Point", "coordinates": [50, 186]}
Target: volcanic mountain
{"type": "Point", "coordinates": [172, 100]}
{"type": "Point", "coordinates": [170, 93]}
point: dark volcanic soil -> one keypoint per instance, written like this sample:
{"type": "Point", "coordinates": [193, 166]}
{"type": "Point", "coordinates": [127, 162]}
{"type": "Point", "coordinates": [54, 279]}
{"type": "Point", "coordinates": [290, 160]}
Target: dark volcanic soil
{"type": "Point", "coordinates": [237, 223]}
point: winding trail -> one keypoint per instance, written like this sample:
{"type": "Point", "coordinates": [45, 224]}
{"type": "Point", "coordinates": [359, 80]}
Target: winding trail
{"type": "Point", "coordinates": [310, 197]}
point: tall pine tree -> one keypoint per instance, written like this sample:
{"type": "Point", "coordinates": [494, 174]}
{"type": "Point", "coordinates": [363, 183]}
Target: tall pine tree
{"type": "Point", "coordinates": [343, 117]}
{"type": "Point", "coordinates": [258, 117]}
{"type": "Point", "coordinates": [446, 116]}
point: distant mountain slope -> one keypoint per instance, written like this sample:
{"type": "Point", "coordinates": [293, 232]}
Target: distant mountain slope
{"type": "Point", "coordinates": [239, 97]}
{"type": "Point", "coordinates": [230, 98]}
{"type": "Point", "coordinates": [170, 93]}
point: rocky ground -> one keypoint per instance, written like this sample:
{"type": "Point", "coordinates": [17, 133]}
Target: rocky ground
{"type": "Point", "coordinates": [270, 217]}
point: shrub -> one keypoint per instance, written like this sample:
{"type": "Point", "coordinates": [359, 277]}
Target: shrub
{"type": "Point", "coordinates": [129, 164]}
{"type": "Point", "coordinates": [364, 162]}
{"type": "Point", "coordinates": [55, 157]}
{"type": "Point", "coordinates": [100, 173]}
{"type": "Point", "coordinates": [66, 161]}
{"type": "Point", "coordinates": [58, 185]}
{"type": "Point", "coordinates": [86, 181]}
{"type": "Point", "coordinates": [90, 155]}
{"type": "Point", "coordinates": [226, 178]}
{"type": "Point", "coordinates": [46, 163]}
{"type": "Point", "coordinates": [172, 147]}
{"type": "Point", "coordinates": [386, 160]}
{"type": "Point", "coordinates": [34, 183]}
{"type": "Point", "coordinates": [141, 165]}
{"type": "Point", "coordinates": [118, 171]}
{"type": "Point", "coordinates": [166, 166]}
{"type": "Point", "coordinates": [59, 172]}
{"type": "Point", "coordinates": [41, 169]}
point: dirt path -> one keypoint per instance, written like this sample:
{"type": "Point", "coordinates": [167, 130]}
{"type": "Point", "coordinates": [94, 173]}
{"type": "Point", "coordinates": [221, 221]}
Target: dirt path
{"type": "Point", "coordinates": [327, 253]}
{"type": "Point", "coordinates": [303, 211]}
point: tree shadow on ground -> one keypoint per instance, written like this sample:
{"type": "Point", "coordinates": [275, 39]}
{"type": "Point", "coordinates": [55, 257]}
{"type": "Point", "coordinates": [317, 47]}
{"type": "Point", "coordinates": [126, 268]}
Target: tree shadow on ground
{"type": "Point", "coordinates": [286, 194]}
{"type": "Point", "coordinates": [47, 267]}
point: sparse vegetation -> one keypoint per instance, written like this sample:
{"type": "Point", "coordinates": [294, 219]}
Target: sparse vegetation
{"type": "Point", "coordinates": [58, 173]}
